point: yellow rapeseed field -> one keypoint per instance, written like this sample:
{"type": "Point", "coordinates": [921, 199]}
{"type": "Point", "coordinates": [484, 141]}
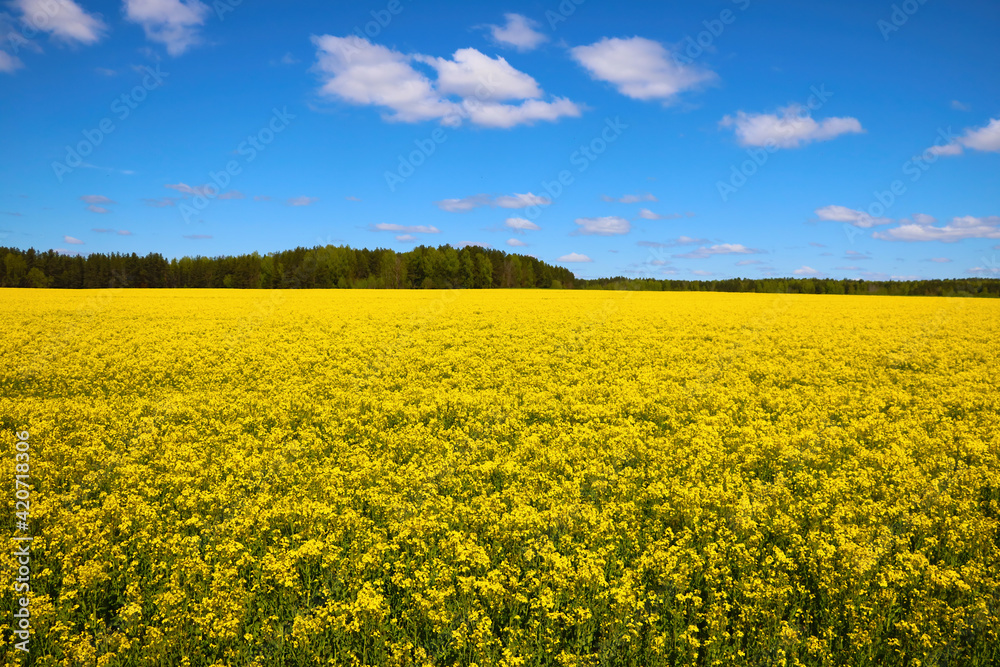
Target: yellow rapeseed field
{"type": "Point", "coordinates": [546, 477]}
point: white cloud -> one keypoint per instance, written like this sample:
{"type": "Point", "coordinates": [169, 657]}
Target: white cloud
{"type": "Point", "coordinates": [160, 203]}
{"type": "Point", "coordinates": [958, 106]}
{"type": "Point", "coordinates": [64, 19]}
{"type": "Point", "coordinates": [639, 68]}
{"type": "Point", "coordinates": [604, 226]}
{"type": "Point", "coordinates": [407, 229]}
{"type": "Point", "coordinates": [301, 201]}
{"type": "Point", "coordinates": [519, 32]}
{"type": "Point", "coordinates": [359, 72]}
{"type": "Point", "coordinates": [748, 262]}
{"type": "Point", "coordinates": [406, 237]}
{"type": "Point", "coordinates": [517, 243]}
{"type": "Point", "coordinates": [791, 127]}
{"type": "Point", "coordinates": [9, 63]}
{"type": "Point", "coordinates": [348, 198]}
{"type": "Point", "coordinates": [720, 249]}
{"type": "Point", "coordinates": [807, 271]}
{"type": "Point", "coordinates": [702, 272]}
{"type": "Point", "coordinates": [985, 138]}
{"type": "Point", "coordinates": [521, 224]}
{"type": "Point", "coordinates": [984, 270]}
{"type": "Point", "coordinates": [173, 23]}
{"type": "Point", "coordinates": [851, 216]}
{"type": "Point", "coordinates": [574, 257]}
{"type": "Point", "coordinates": [464, 204]}
{"type": "Point", "coordinates": [471, 74]}
{"type": "Point", "coordinates": [72, 241]}
{"type": "Point", "coordinates": [232, 194]}
{"type": "Point", "coordinates": [646, 214]}
{"type": "Point", "coordinates": [95, 199]}
{"type": "Point", "coordinates": [940, 260]}
{"type": "Point", "coordinates": [947, 149]}
{"type": "Point", "coordinates": [522, 201]}
{"type": "Point", "coordinates": [515, 200]}
{"type": "Point", "coordinates": [193, 190]}
{"type": "Point", "coordinates": [965, 227]}
{"type": "Point", "coordinates": [504, 116]}
{"type": "Point", "coordinates": [630, 199]}
{"type": "Point", "coordinates": [97, 209]}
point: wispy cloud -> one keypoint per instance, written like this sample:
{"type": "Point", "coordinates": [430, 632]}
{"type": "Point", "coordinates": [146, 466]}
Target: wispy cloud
{"type": "Point", "coordinates": [302, 201]}
{"type": "Point", "coordinates": [790, 127]}
{"type": "Point", "coordinates": [630, 199]}
{"type": "Point", "coordinates": [72, 240]}
{"type": "Point", "coordinates": [608, 225]}
{"type": "Point", "coordinates": [405, 229]}
{"type": "Point", "coordinates": [957, 229]}
{"type": "Point", "coordinates": [705, 252]}
{"type": "Point", "coordinates": [513, 201]}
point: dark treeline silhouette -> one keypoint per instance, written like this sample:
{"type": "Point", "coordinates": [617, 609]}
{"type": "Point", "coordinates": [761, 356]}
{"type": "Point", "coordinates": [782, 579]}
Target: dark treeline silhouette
{"type": "Point", "coordinates": [320, 267]}
{"type": "Point", "coordinates": [423, 267]}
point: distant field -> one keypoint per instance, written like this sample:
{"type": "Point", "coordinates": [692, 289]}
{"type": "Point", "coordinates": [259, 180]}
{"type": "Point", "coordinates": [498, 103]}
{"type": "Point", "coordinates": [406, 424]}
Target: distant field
{"type": "Point", "coordinates": [504, 477]}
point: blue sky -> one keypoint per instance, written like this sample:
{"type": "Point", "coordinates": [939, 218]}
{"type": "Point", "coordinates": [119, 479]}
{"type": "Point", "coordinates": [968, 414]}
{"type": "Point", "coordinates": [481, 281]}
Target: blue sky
{"type": "Point", "coordinates": [747, 138]}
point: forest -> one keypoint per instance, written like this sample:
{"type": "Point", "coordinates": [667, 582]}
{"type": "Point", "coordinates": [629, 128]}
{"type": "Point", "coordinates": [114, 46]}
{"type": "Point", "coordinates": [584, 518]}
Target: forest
{"type": "Point", "coordinates": [424, 267]}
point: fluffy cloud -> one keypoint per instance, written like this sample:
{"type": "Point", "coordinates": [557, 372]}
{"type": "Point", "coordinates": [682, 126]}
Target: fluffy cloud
{"type": "Point", "coordinates": [406, 238]}
{"type": "Point", "coordinates": [574, 257]}
{"type": "Point", "coordinates": [639, 68]}
{"type": "Point", "coordinates": [630, 199]}
{"type": "Point", "coordinates": [72, 241]}
{"type": "Point", "coordinates": [173, 23]}
{"type": "Point", "coordinates": [850, 216]}
{"type": "Point", "coordinates": [705, 252]}
{"type": "Point", "coordinates": [965, 227]}
{"type": "Point", "coordinates": [519, 32]}
{"type": "Point", "coordinates": [63, 19]}
{"type": "Point", "coordinates": [472, 74]}
{"type": "Point", "coordinates": [521, 224]}
{"type": "Point", "coordinates": [407, 229]}
{"type": "Point", "coordinates": [980, 139]}
{"type": "Point", "coordinates": [301, 201]}
{"type": "Point", "coordinates": [608, 225]}
{"type": "Point", "coordinates": [791, 127]}
{"type": "Point", "coordinates": [359, 72]}
{"type": "Point", "coordinates": [517, 243]}
{"type": "Point", "coordinates": [807, 271]}
{"type": "Point", "coordinates": [504, 201]}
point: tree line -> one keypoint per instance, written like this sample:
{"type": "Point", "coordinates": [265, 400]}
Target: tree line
{"type": "Point", "coordinates": [424, 267]}
{"type": "Point", "coordinates": [328, 266]}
